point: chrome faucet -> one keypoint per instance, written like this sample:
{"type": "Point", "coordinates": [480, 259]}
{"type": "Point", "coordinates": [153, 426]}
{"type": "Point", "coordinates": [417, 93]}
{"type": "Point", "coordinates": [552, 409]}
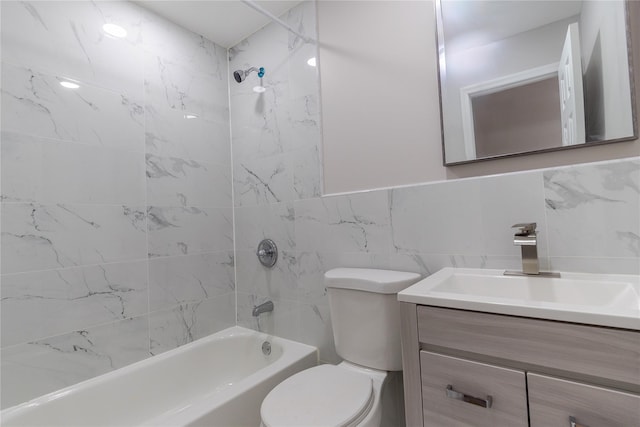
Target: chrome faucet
{"type": "Point", "coordinates": [527, 238]}
{"type": "Point", "coordinates": [265, 307]}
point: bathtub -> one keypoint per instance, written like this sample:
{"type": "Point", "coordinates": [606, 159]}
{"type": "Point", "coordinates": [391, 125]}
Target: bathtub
{"type": "Point", "coordinates": [216, 381]}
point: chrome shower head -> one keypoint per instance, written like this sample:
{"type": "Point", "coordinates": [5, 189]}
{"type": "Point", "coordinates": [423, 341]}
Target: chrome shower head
{"type": "Point", "coordinates": [241, 75]}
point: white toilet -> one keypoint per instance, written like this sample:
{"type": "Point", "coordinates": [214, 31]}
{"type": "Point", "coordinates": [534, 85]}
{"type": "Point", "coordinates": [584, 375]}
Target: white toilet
{"type": "Point", "coordinates": [366, 329]}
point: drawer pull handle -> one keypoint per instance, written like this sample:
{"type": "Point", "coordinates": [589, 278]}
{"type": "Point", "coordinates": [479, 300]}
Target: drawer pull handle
{"type": "Point", "coordinates": [485, 403]}
{"type": "Point", "coordinates": [574, 423]}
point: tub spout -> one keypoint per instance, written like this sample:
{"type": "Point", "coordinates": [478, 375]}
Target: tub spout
{"type": "Point", "coordinates": [265, 307]}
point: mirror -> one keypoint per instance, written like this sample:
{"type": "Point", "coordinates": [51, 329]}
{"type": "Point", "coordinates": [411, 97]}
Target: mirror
{"type": "Point", "coordinates": [528, 76]}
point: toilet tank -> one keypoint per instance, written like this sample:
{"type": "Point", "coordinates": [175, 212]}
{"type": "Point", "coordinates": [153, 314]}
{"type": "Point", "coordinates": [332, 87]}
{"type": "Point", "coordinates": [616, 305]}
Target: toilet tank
{"type": "Point", "coordinates": [365, 315]}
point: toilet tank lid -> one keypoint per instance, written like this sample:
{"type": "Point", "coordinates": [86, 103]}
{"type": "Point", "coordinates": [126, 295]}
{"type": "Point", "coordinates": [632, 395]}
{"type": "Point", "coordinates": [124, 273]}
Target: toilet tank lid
{"type": "Point", "coordinates": [370, 280]}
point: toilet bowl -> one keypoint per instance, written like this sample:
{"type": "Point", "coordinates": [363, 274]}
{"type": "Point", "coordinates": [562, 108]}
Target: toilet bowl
{"type": "Point", "coordinates": [343, 395]}
{"type": "Point", "coordinates": [366, 328]}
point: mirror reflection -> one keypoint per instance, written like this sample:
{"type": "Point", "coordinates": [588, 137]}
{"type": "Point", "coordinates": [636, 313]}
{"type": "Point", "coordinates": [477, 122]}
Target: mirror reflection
{"type": "Point", "coordinates": [526, 76]}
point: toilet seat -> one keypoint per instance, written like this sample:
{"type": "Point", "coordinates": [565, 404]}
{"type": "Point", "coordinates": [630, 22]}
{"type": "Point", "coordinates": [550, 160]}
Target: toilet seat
{"type": "Point", "coordinates": [325, 395]}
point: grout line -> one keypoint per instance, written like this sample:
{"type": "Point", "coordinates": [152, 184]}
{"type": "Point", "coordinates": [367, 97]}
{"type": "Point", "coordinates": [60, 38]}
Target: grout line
{"type": "Point", "coordinates": [127, 261]}
{"type": "Point", "coordinates": [83, 328]}
{"type": "Point", "coordinates": [146, 205]}
{"type": "Point", "coordinates": [546, 221]}
{"type": "Point", "coordinates": [233, 201]}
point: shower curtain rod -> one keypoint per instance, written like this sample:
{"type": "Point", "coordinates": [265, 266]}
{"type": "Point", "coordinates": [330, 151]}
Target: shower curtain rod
{"type": "Point", "coordinates": [271, 16]}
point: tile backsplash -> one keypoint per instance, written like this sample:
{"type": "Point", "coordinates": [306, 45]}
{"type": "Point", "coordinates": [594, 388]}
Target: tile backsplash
{"type": "Point", "coordinates": [588, 220]}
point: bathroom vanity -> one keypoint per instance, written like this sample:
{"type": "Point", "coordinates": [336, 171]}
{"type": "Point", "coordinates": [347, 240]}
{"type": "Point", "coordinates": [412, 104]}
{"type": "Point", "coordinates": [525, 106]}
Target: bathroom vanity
{"type": "Point", "coordinates": [480, 356]}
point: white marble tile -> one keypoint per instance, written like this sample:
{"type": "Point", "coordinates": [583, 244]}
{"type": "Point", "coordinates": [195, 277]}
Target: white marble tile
{"type": "Point", "coordinates": [170, 86]}
{"type": "Point", "coordinates": [438, 218]}
{"type": "Point", "coordinates": [39, 237]}
{"type": "Point", "coordinates": [593, 210]}
{"type": "Point", "coordinates": [66, 38]}
{"type": "Point", "coordinates": [303, 118]}
{"type": "Point", "coordinates": [34, 103]}
{"type": "Point", "coordinates": [185, 323]}
{"type": "Point", "coordinates": [173, 181]}
{"type": "Point", "coordinates": [349, 223]}
{"type": "Point", "coordinates": [303, 76]}
{"type": "Point", "coordinates": [260, 120]}
{"type": "Point", "coordinates": [596, 265]}
{"type": "Point", "coordinates": [262, 181]}
{"type": "Point", "coordinates": [46, 303]}
{"type": "Point", "coordinates": [189, 230]}
{"type": "Point", "coordinates": [307, 173]}
{"type": "Point", "coordinates": [176, 134]}
{"type": "Point", "coordinates": [507, 200]}
{"type": "Point", "coordinates": [418, 263]}
{"type": "Point", "coordinates": [30, 370]}
{"type": "Point", "coordinates": [189, 278]}
{"type": "Point", "coordinates": [427, 264]}
{"type": "Point", "coordinates": [303, 18]}
{"type": "Point", "coordinates": [275, 221]}
{"type": "Point", "coordinates": [180, 46]}
{"type": "Point", "coordinates": [256, 141]}
{"type": "Point", "coordinates": [79, 211]}
{"type": "Point", "coordinates": [281, 281]}
{"type": "Point", "coordinates": [49, 172]}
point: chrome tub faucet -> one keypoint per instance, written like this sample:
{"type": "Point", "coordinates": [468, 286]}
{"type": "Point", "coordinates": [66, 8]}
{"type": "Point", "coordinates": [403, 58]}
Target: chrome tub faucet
{"type": "Point", "coordinates": [265, 307]}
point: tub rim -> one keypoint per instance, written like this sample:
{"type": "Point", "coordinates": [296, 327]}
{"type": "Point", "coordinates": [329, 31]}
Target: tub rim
{"type": "Point", "coordinates": [292, 350]}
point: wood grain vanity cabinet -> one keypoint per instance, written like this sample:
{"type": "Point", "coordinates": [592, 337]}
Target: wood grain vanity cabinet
{"type": "Point", "coordinates": [467, 368]}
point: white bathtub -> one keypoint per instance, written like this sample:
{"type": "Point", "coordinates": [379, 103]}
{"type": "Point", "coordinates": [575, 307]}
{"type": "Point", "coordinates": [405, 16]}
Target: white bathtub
{"type": "Point", "coordinates": [217, 381]}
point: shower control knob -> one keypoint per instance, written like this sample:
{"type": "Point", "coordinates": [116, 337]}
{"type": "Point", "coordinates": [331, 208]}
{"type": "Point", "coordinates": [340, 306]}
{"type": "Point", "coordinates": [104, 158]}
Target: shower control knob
{"type": "Point", "coordinates": [267, 253]}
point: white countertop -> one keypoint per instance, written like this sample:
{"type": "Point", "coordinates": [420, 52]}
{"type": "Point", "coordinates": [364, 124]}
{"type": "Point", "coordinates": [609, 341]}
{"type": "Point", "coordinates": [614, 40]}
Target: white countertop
{"type": "Point", "coordinates": [596, 299]}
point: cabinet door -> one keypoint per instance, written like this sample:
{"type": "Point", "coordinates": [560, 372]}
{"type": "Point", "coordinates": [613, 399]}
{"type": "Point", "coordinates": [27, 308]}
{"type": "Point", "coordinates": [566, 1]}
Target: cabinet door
{"type": "Point", "coordinates": [553, 401]}
{"type": "Point", "coordinates": [459, 392]}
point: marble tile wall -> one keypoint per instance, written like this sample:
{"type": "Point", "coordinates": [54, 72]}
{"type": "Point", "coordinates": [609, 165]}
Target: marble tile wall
{"type": "Point", "coordinates": [276, 162]}
{"type": "Point", "coordinates": [588, 219]}
{"type": "Point", "coordinates": [588, 215]}
{"type": "Point", "coordinates": [117, 238]}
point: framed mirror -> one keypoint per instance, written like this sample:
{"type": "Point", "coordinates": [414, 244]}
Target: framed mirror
{"type": "Point", "coordinates": [520, 77]}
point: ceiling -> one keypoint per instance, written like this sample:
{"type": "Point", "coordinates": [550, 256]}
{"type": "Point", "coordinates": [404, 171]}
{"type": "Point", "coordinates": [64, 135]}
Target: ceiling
{"type": "Point", "coordinates": [225, 22]}
{"type": "Point", "coordinates": [477, 22]}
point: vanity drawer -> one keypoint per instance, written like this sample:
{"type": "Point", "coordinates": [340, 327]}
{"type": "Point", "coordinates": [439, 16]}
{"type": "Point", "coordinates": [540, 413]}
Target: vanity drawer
{"type": "Point", "coordinates": [442, 407]}
{"type": "Point", "coordinates": [589, 350]}
{"type": "Point", "coordinates": [552, 401]}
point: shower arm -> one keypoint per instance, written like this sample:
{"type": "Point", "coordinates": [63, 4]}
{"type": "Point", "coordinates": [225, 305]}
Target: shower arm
{"type": "Point", "coordinates": [271, 16]}
{"type": "Point", "coordinates": [260, 71]}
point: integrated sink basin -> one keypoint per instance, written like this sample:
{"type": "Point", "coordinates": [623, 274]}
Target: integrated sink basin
{"type": "Point", "coordinates": [597, 299]}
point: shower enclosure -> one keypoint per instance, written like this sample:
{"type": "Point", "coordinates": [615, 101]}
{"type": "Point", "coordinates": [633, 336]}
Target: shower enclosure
{"type": "Point", "coordinates": [134, 168]}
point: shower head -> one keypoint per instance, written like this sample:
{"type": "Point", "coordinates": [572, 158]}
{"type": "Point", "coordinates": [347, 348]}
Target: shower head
{"type": "Point", "coordinates": [241, 75]}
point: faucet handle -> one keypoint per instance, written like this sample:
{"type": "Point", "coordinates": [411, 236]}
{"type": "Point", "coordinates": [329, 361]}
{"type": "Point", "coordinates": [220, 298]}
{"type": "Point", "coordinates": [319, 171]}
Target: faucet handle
{"type": "Point", "coordinates": [525, 228]}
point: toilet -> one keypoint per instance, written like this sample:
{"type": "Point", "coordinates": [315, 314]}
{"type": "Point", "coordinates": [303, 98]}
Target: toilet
{"type": "Point", "coordinates": [365, 316]}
